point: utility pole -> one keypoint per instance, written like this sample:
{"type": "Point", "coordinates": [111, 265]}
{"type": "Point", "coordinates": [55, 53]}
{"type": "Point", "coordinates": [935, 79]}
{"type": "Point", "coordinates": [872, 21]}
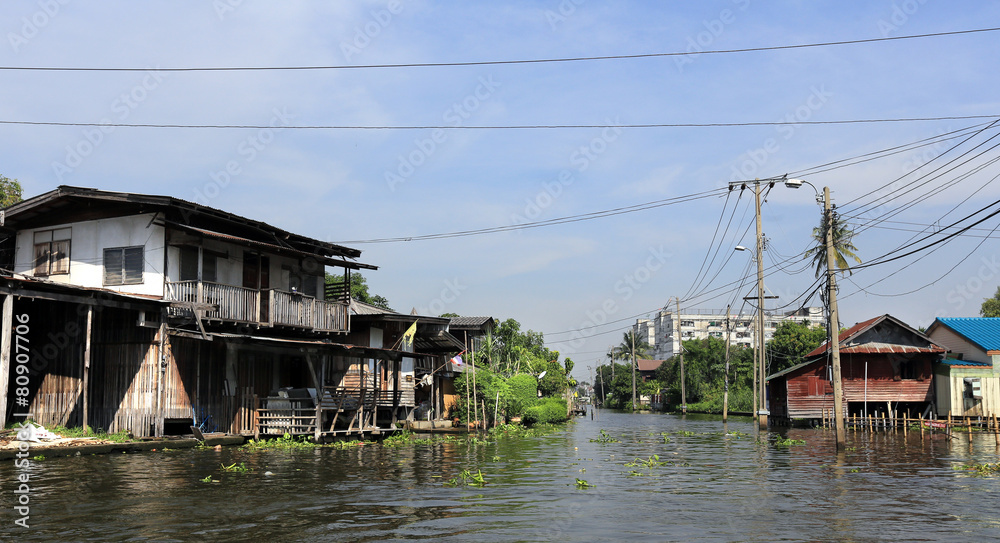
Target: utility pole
{"type": "Point", "coordinates": [838, 393]}
{"type": "Point", "coordinates": [725, 393]}
{"type": "Point", "coordinates": [762, 413]}
{"type": "Point", "coordinates": [684, 401]}
{"type": "Point", "coordinates": [633, 370]}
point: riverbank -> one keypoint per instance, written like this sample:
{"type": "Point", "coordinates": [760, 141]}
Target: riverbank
{"type": "Point", "coordinates": [80, 447]}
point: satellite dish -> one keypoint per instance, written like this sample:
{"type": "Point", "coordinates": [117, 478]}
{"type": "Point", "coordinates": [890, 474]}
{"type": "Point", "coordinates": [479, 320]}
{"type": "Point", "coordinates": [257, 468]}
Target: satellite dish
{"type": "Point", "coordinates": [541, 375]}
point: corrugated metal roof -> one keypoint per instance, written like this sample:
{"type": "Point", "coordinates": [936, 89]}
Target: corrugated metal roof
{"type": "Point", "coordinates": [855, 331]}
{"type": "Point", "coordinates": [361, 308]}
{"type": "Point", "coordinates": [967, 363]}
{"type": "Point", "coordinates": [885, 348]}
{"type": "Point", "coordinates": [464, 322]}
{"type": "Point", "coordinates": [984, 332]}
{"type": "Point", "coordinates": [648, 365]}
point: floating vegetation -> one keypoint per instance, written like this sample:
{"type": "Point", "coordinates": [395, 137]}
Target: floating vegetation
{"type": "Point", "coordinates": [284, 442]}
{"type": "Point", "coordinates": [582, 484]}
{"type": "Point", "coordinates": [604, 437]}
{"type": "Point", "coordinates": [685, 433]}
{"type": "Point", "coordinates": [651, 462]}
{"type": "Point", "coordinates": [206, 479]}
{"type": "Point", "coordinates": [785, 442]}
{"type": "Point", "coordinates": [981, 469]}
{"type": "Point", "coordinates": [467, 478]}
{"type": "Point", "coordinates": [237, 468]}
{"type": "Point", "coordinates": [398, 439]}
{"type": "Point", "coordinates": [496, 458]}
{"type": "Point", "coordinates": [348, 444]}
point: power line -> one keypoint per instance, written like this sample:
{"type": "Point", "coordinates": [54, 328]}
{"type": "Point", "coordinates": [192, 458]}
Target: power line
{"type": "Point", "coordinates": [499, 127]}
{"type": "Point", "coordinates": [499, 62]}
{"type": "Point", "coordinates": [549, 222]}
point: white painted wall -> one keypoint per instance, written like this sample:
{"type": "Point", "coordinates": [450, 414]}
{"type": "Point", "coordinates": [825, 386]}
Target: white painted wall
{"type": "Point", "coordinates": [957, 344]}
{"type": "Point", "coordinates": [87, 243]}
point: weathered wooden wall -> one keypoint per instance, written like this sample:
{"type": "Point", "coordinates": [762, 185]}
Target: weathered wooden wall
{"type": "Point", "coordinates": [123, 381]}
{"type": "Point", "coordinates": [808, 392]}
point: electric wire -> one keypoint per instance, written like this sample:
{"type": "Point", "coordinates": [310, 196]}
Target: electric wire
{"type": "Point", "coordinates": [498, 127]}
{"type": "Point", "coordinates": [503, 62]}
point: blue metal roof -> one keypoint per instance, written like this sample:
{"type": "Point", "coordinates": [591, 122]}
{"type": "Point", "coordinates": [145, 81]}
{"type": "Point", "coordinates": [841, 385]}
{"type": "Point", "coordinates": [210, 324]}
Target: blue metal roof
{"type": "Point", "coordinates": [969, 363]}
{"type": "Point", "coordinates": [984, 332]}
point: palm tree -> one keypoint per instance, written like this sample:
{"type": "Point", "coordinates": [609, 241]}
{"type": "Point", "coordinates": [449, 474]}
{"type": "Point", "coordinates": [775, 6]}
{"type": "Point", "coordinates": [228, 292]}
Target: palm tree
{"type": "Point", "coordinates": [624, 352]}
{"type": "Point", "coordinates": [842, 246]}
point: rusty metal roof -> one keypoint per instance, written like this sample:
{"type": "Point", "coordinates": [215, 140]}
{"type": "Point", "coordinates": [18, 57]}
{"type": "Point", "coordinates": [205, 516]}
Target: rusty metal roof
{"type": "Point", "coordinates": [648, 365]}
{"type": "Point", "coordinates": [854, 333]}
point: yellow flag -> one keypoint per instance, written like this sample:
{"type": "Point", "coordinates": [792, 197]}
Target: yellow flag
{"type": "Point", "coordinates": [408, 337]}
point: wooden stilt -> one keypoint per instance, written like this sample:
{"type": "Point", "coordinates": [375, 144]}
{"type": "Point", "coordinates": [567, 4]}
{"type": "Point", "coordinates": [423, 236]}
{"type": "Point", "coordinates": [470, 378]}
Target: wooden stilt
{"type": "Point", "coordinates": [5, 343]}
{"type": "Point", "coordinates": [86, 366]}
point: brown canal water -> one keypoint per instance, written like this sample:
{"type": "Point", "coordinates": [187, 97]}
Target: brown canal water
{"type": "Point", "coordinates": [715, 483]}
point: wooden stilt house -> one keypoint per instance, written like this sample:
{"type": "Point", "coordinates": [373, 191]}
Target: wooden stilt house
{"type": "Point", "coordinates": [196, 316]}
{"type": "Point", "coordinates": [885, 366]}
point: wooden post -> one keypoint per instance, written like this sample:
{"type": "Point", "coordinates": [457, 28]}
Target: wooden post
{"type": "Point", "coordinates": [7, 332]}
{"type": "Point", "coordinates": [968, 427]}
{"type": "Point", "coordinates": [86, 366]}
{"type": "Point", "coordinates": [905, 423]}
{"type": "Point", "coordinates": [996, 430]}
{"type": "Point", "coordinates": [496, 409]}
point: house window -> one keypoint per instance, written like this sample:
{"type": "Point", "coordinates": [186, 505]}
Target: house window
{"type": "Point", "coordinates": [189, 265]}
{"type": "Point", "coordinates": [908, 370]}
{"type": "Point", "coordinates": [123, 265]}
{"type": "Point", "coordinates": [52, 252]}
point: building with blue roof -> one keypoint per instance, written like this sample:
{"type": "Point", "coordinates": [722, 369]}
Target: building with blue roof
{"type": "Point", "coordinates": [967, 381]}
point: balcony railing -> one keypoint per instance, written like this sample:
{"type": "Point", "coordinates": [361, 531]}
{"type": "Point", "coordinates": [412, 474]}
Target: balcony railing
{"type": "Point", "coordinates": [241, 304]}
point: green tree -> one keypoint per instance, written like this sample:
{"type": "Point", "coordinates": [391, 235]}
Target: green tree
{"type": "Point", "coordinates": [791, 343]}
{"type": "Point", "coordinates": [10, 191]}
{"type": "Point", "coordinates": [554, 381]}
{"type": "Point", "coordinates": [991, 306]}
{"type": "Point", "coordinates": [843, 248]}
{"type": "Point", "coordinates": [631, 348]}
{"type": "Point", "coordinates": [359, 290]}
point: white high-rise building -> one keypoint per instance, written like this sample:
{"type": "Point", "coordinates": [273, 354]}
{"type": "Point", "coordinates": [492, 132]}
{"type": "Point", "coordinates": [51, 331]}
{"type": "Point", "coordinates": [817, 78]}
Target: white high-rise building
{"type": "Point", "coordinates": [660, 332]}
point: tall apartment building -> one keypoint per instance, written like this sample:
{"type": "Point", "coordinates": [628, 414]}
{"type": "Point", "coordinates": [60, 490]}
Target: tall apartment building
{"type": "Point", "coordinates": [660, 332]}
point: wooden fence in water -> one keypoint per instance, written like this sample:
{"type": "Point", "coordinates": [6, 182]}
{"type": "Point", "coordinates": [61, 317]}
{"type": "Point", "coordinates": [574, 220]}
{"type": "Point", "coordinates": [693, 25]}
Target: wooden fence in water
{"type": "Point", "coordinates": [876, 422]}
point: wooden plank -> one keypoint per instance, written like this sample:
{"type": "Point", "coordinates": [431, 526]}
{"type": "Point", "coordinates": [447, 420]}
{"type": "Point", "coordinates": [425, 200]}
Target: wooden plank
{"type": "Point", "coordinates": [6, 333]}
{"type": "Point", "coordinates": [88, 338]}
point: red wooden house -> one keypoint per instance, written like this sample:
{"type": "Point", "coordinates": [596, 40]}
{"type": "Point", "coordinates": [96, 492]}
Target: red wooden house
{"type": "Point", "coordinates": [885, 364]}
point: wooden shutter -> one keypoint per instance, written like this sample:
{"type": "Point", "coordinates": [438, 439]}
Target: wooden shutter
{"type": "Point", "coordinates": [113, 266]}
{"type": "Point", "coordinates": [132, 265]}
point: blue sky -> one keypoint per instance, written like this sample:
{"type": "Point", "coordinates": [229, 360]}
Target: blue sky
{"type": "Point", "coordinates": [348, 185]}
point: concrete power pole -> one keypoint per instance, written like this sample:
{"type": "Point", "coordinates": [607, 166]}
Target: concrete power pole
{"type": "Point", "coordinates": [762, 411]}
{"type": "Point", "coordinates": [725, 393]}
{"type": "Point", "coordinates": [838, 392]}
{"type": "Point", "coordinates": [684, 401]}
{"type": "Point", "coordinates": [633, 371]}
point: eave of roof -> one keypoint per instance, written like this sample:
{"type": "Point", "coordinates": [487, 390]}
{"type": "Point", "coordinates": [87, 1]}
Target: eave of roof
{"type": "Point", "coordinates": [183, 206]}
{"type": "Point", "coordinates": [845, 337]}
{"type": "Point", "coordinates": [965, 363]}
{"type": "Point", "coordinates": [254, 244]}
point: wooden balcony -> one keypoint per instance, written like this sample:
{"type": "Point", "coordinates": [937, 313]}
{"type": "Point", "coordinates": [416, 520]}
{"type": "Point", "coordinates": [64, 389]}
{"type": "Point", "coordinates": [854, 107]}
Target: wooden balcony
{"type": "Point", "coordinates": [269, 307]}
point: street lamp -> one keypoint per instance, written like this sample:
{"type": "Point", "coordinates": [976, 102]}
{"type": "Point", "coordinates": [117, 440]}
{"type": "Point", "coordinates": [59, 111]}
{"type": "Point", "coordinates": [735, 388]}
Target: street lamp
{"type": "Point", "coordinates": [761, 410]}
